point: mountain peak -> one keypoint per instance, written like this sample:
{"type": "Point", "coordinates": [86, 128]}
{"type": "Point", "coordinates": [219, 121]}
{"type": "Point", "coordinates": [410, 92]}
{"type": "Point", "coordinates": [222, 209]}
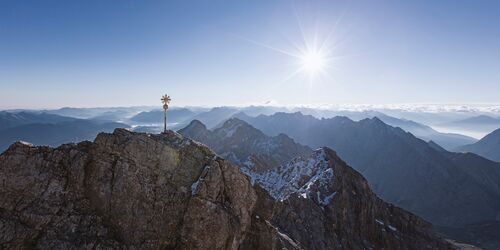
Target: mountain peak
{"type": "Point", "coordinates": [247, 146]}
{"type": "Point", "coordinates": [234, 127]}
{"type": "Point", "coordinates": [123, 136]}
{"type": "Point", "coordinates": [125, 190]}
{"type": "Point", "coordinates": [374, 122]}
{"type": "Point", "coordinates": [196, 124]}
{"type": "Point", "coordinates": [233, 122]}
{"type": "Point", "coordinates": [21, 144]}
{"type": "Point", "coordinates": [480, 119]}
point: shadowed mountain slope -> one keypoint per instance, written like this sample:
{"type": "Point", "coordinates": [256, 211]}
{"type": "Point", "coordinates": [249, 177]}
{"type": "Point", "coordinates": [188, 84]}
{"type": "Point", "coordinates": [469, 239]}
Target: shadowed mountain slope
{"type": "Point", "coordinates": [13, 119]}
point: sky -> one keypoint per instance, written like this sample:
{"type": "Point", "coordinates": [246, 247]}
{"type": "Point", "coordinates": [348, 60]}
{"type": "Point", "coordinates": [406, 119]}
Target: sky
{"type": "Point", "coordinates": [212, 53]}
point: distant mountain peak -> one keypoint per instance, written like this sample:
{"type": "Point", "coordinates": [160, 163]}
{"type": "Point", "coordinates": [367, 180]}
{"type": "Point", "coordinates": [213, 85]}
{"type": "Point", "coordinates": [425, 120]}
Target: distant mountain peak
{"type": "Point", "coordinates": [196, 124]}
{"type": "Point", "coordinates": [375, 122]}
{"type": "Point", "coordinates": [480, 119]}
{"type": "Point", "coordinates": [245, 145]}
{"type": "Point", "coordinates": [241, 115]}
{"type": "Point", "coordinates": [236, 127]}
{"type": "Point", "coordinates": [233, 122]}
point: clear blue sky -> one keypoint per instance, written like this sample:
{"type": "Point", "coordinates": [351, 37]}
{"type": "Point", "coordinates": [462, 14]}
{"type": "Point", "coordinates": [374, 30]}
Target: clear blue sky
{"type": "Point", "coordinates": [124, 53]}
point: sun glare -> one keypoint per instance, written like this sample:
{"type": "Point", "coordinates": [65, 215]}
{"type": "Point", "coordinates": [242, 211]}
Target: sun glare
{"type": "Point", "coordinates": [313, 62]}
{"type": "Point", "coordinates": [315, 54]}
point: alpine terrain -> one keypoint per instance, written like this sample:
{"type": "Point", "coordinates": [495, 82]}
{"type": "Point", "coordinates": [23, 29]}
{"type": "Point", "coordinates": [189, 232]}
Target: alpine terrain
{"type": "Point", "coordinates": [449, 189]}
{"type": "Point", "coordinates": [146, 191]}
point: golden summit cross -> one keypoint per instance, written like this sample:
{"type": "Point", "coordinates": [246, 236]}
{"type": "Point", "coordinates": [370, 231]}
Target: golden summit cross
{"type": "Point", "coordinates": [165, 99]}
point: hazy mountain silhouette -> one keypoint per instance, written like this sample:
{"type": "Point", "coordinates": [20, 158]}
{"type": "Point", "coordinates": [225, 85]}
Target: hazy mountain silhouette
{"type": "Point", "coordinates": [114, 115]}
{"type": "Point", "coordinates": [481, 119]}
{"type": "Point", "coordinates": [12, 119]}
{"type": "Point", "coordinates": [216, 115]}
{"type": "Point", "coordinates": [177, 115]}
{"type": "Point", "coordinates": [448, 141]}
{"type": "Point", "coordinates": [488, 146]}
{"type": "Point", "coordinates": [482, 123]}
{"type": "Point", "coordinates": [100, 112]}
{"type": "Point", "coordinates": [55, 134]}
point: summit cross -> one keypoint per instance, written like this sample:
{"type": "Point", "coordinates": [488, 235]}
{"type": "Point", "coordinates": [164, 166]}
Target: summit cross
{"type": "Point", "coordinates": [165, 99]}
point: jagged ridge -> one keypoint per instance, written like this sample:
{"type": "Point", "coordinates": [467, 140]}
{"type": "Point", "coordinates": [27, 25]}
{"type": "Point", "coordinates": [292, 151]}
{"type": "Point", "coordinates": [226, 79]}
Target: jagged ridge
{"type": "Point", "coordinates": [133, 190]}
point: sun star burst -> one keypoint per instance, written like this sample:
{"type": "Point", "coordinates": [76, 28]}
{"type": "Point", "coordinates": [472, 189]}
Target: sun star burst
{"type": "Point", "coordinates": [313, 61]}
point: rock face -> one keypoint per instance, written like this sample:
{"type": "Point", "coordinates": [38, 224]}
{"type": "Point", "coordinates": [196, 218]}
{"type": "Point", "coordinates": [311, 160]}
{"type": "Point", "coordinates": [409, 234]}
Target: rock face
{"type": "Point", "coordinates": [326, 204]}
{"type": "Point", "coordinates": [143, 191]}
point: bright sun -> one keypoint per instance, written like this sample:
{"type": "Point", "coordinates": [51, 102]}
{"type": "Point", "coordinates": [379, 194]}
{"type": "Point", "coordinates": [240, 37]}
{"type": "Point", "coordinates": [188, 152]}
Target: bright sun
{"type": "Point", "coordinates": [313, 62]}
{"type": "Point", "coordinates": [313, 56]}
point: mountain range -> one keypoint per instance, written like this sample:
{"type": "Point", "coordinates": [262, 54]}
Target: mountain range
{"type": "Point", "coordinates": [381, 151]}
{"type": "Point", "coordinates": [178, 115]}
{"type": "Point", "coordinates": [147, 191]}
{"type": "Point", "coordinates": [49, 129]}
{"type": "Point", "coordinates": [13, 119]}
{"type": "Point", "coordinates": [104, 113]}
{"type": "Point", "coordinates": [150, 119]}
{"type": "Point", "coordinates": [481, 124]}
{"type": "Point", "coordinates": [448, 141]}
{"type": "Point", "coordinates": [452, 190]}
{"type": "Point", "coordinates": [480, 120]}
{"type": "Point", "coordinates": [244, 145]}
{"type": "Point", "coordinates": [449, 189]}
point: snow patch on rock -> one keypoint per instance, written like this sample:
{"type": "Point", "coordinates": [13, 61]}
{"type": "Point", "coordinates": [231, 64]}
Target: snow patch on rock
{"type": "Point", "coordinates": [308, 177]}
{"type": "Point", "coordinates": [379, 222]}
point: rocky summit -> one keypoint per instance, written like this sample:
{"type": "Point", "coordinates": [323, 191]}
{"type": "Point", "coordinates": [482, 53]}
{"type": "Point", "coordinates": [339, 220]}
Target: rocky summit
{"type": "Point", "coordinates": [145, 191]}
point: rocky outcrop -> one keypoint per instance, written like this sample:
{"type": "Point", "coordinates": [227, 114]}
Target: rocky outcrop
{"type": "Point", "coordinates": [144, 191]}
{"type": "Point", "coordinates": [334, 205]}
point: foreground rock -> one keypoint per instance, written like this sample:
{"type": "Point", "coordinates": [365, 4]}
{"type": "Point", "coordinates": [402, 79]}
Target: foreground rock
{"type": "Point", "coordinates": [131, 190]}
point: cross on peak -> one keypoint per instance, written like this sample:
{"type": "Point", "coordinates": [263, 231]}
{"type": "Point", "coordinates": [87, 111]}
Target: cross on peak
{"type": "Point", "coordinates": [165, 99]}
